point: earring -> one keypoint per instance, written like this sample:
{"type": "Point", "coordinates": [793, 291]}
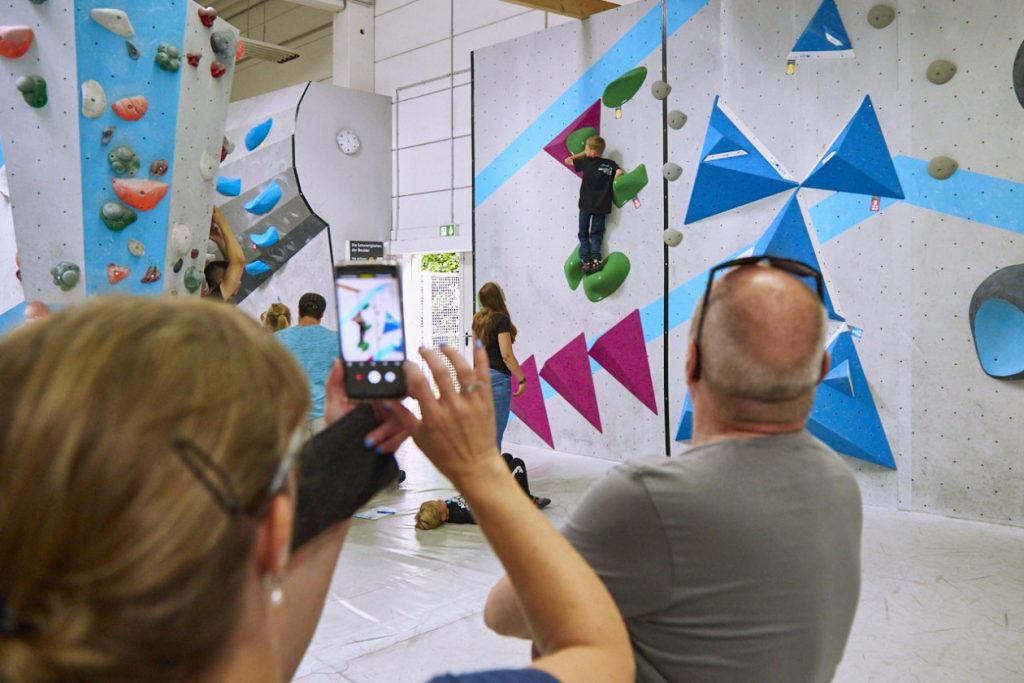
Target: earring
{"type": "Point", "coordinates": [272, 585]}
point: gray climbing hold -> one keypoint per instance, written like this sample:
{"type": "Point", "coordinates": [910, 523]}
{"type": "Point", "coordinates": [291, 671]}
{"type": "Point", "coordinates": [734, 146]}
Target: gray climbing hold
{"type": "Point", "coordinates": [108, 135]}
{"type": "Point", "coordinates": [942, 168]}
{"type": "Point", "coordinates": [671, 171]}
{"type": "Point", "coordinates": [676, 120]}
{"type": "Point", "coordinates": [94, 100]}
{"type": "Point", "coordinates": [1018, 74]}
{"type": "Point", "coordinates": [124, 162]}
{"type": "Point", "coordinates": [941, 71]}
{"type": "Point", "coordinates": [133, 51]}
{"type": "Point", "coordinates": [881, 16]}
{"type": "Point", "coordinates": [33, 89]}
{"type": "Point", "coordinates": [660, 89]}
{"type": "Point", "coordinates": [66, 275]}
{"type": "Point", "coordinates": [673, 237]}
{"type": "Point", "coordinates": [114, 20]}
{"type": "Point", "coordinates": [224, 43]}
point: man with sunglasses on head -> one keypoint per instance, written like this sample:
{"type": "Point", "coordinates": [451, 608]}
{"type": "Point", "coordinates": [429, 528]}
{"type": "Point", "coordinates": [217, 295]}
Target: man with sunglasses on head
{"type": "Point", "coordinates": [738, 560]}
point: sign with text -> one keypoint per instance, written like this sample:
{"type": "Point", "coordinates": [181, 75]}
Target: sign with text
{"type": "Point", "coordinates": [365, 251]}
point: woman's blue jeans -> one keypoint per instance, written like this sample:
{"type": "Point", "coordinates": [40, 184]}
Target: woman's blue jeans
{"type": "Point", "coordinates": [501, 392]}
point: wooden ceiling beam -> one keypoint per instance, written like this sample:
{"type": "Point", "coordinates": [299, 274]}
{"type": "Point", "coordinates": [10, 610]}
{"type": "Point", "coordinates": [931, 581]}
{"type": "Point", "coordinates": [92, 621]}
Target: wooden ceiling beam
{"type": "Point", "coordinates": [578, 9]}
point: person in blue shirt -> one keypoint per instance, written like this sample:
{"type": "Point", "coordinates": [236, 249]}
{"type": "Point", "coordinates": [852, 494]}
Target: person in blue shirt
{"type": "Point", "coordinates": [315, 348]}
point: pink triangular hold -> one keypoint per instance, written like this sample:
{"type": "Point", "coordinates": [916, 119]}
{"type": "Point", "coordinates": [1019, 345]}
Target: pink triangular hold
{"type": "Point", "coordinates": [623, 353]}
{"type": "Point", "coordinates": [568, 372]}
{"type": "Point", "coordinates": [591, 118]}
{"type": "Point", "coordinates": [529, 407]}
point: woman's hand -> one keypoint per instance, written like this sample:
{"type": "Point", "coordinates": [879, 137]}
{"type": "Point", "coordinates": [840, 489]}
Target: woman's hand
{"type": "Point", "coordinates": [386, 438]}
{"type": "Point", "coordinates": [521, 388]}
{"type": "Point", "coordinates": [457, 431]}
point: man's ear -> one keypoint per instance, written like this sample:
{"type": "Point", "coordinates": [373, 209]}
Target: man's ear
{"type": "Point", "coordinates": [691, 362]}
{"type": "Point", "coordinates": [275, 536]}
{"type": "Point", "coordinates": [826, 362]}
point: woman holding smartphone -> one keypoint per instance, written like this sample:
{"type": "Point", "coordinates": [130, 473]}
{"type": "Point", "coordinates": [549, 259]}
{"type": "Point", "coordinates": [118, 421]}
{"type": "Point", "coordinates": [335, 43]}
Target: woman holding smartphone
{"type": "Point", "coordinates": [492, 326]}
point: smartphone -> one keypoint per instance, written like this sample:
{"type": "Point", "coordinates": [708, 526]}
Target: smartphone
{"type": "Point", "coordinates": [371, 329]}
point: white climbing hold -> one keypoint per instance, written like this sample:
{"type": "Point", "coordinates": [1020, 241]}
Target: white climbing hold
{"type": "Point", "coordinates": [671, 171]}
{"type": "Point", "coordinates": [94, 100]}
{"type": "Point", "coordinates": [673, 237]}
{"type": "Point", "coordinates": [676, 120]}
{"type": "Point", "coordinates": [181, 239]}
{"type": "Point", "coordinates": [114, 20]}
{"type": "Point", "coordinates": [207, 166]}
{"type": "Point", "coordinates": [660, 90]}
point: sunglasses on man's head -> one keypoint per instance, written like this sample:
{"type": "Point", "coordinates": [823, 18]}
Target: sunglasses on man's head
{"type": "Point", "coordinates": [797, 268]}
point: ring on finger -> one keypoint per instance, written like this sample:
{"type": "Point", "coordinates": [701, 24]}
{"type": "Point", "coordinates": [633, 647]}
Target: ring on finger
{"type": "Point", "coordinates": [470, 388]}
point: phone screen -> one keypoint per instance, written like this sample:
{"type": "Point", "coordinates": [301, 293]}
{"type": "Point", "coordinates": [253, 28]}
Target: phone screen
{"type": "Point", "coordinates": [371, 329]}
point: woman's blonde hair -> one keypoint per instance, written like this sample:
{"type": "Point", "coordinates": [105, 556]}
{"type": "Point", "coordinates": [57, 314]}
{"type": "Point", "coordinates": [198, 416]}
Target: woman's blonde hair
{"type": "Point", "coordinates": [492, 301]}
{"type": "Point", "coordinates": [116, 562]}
{"type": "Point", "coordinates": [277, 317]}
{"type": "Point", "coordinates": [429, 517]}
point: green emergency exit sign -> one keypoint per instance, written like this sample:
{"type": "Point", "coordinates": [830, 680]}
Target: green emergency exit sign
{"type": "Point", "coordinates": [447, 231]}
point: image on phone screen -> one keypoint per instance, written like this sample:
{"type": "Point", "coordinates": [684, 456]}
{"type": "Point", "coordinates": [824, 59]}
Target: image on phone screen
{"type": "Point", "coordinates": [371, 332]}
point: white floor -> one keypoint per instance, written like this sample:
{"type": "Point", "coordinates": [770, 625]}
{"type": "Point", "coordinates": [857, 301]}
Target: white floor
{"type": "Point", "coordinates": [942, 600]}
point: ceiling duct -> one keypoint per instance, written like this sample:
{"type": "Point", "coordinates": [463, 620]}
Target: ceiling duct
{"type": "Point", "coordinates": [267, 52]}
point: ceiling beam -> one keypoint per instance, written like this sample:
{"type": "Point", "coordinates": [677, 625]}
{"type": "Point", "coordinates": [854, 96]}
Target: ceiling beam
{"type": "Point", "coordinates": [578, 9]}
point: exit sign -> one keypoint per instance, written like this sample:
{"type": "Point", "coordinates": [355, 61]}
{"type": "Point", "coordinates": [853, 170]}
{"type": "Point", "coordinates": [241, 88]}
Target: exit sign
{"type": "Point", "coordinates": [448, 231]}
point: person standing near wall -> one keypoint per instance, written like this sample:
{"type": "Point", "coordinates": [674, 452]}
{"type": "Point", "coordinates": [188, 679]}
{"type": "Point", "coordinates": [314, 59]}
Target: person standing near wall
{"type": "Point", "coordinates": [315, 348]}
{"type": "Point", "coordinates": [492, 325]}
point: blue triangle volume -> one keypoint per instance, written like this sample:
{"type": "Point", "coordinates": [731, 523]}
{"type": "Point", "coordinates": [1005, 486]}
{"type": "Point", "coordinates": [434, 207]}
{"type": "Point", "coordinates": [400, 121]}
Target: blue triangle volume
{"type": "Point", "coordinates": [734, 169]}
{"type": "Point", "coordinates": [858, 161]}
{"type": "Point", "coordinates": [825, 32]}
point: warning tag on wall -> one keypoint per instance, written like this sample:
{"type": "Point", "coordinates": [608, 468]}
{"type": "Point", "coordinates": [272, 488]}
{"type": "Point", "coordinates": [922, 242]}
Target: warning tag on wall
{"type": "Point", "coordinates": [636, 202]}
{"type": "Point", "coordinates": [876, 203]}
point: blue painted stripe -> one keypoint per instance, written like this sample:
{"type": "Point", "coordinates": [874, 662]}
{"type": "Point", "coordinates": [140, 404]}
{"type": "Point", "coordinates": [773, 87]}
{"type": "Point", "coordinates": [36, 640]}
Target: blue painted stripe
{"type": "Point", "coordinates": [12, 318]}
{"type": "Point", "coordinates": [636, 45]}
{"type": "Point", "coordinates": [102, 57]}
{"type": "Point", "coordinates": [977, 197]}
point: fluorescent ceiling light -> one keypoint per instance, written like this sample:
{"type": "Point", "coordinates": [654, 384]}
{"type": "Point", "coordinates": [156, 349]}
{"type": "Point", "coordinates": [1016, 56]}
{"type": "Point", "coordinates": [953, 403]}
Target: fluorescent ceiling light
{"type": "Point", "coordinates": [268, 52]}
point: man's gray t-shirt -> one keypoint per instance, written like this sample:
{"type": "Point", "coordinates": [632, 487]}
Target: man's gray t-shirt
{"type": "Point", "coordinates": [737, 561]}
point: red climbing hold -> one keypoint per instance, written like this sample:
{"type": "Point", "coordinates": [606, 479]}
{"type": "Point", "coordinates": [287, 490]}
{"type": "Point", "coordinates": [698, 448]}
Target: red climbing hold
{"type": "Point", "coordinates": [143, 195]}
{"type": "Point", "coordinates": [116, 273]}
{"type": "Point", "coordinates": [193, 58]}
{"type": "Point", "coordinates": [131, 108]}
{"type": "Point", "coordinates": [152, 275]}
{"type": "Point", "coordinates": [15, 41]}
{"type": "Point", "coordinates": [207, 15]}
{"type": "Point", "coordinates": [217, 69]}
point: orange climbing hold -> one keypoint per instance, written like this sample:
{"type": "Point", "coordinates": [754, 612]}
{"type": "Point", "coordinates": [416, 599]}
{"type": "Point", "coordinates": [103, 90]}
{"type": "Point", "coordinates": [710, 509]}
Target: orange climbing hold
{"type": "Point", "coordinates": [131, 108]}
{"type": "Point", "coordinates": [15, 41]}
{"type": "Point", "coordinates": [143, 195]}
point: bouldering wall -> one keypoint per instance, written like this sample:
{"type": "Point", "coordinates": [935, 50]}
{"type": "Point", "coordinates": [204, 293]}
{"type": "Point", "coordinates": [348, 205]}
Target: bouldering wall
{"type": "Point", "coordinates": [286, 178]}
{"type": "Point", "coordinates": [112, 136]}
{"type": "Point", "coordinates": [832, 131]}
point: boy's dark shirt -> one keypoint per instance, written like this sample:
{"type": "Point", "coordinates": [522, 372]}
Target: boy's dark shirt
{"type": "Point", "coordinates": [596, 190]}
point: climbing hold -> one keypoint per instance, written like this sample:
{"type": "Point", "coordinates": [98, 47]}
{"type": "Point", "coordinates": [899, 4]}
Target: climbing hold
{"type": "Point", "coordinates": [193, 58]}
{"type": "Point", "coordinates": [628, 186]}
{"type": "Point", "coordinates": [267, 238]}
{"type": "Point", "coordinates": [94, 100]}
{"type": "Point", "coordinates": [133, 49]}
{"type": "Point", "coordinates": [37, 2]}
{"type": "Point", "coordinates": [942, 168]}
{"type": "Point", "coordinates": [941, 71]}
{"type": "Point", "coordinates": [208, 15]}
{"type": "Point", "coordinates": [131, 108]}
{"type": "Point", "coordinates": [116, 216]}
{"type": "Point", "coordinates": [256, 268]}
{"type": "Point", "coordinates": [143, 195]}
{"type": "Point", "coordinates": [226, 148]}
{"type": "Point", "coordinates": [168, 57]}
{"type": "Point", "coordinates": [152, 275]}
{"type": "Point", "coordinates": [33, 89]}
{"type": "Point", "coordinates": [257, 134]}
{"type": "Point", "coordinates": [997, 323]}
{"type": "Point", "coordinates": [623, 88]}
{"type": "Point", "coordinates": [240, 51]}
{"type": "Point", "coordinates": [672, 237]}
{"type": "Point", "coordinates": [207, 166]}
{"type": "Point", "coordinates": [217, 69]}
{"type": "Point", "coordinates": [193, 279]}
{"type": "Point", "coordinates": [576, 142]}
{"type": "Point", "coordinates": [124, 161]}
{"type": "Point", "coordinates": [881, 16]}
{"type": "Point", "coordinates": [116, 273]}
{"type": "Point", "coordinates": [266, 200]}
{"type": "Point", "coordinates": [605, 282]}
{"type": "Point", "coordinates": [177, 265]}
{"type": "Point", "coordinates": [136, 248]}
{"type": "Point", "coordinates": [181, 239]}
{"type": "Point", "coordinates": [114, 20]}
{"type": "Point", "coordinates": [676, 120]}
{"type": "Point", "coordinates": [224, 44]}
{"type": "Point", "coordinates": [65, 275]}
{"type": "Point", "coordinates": [194, 254]}
{"type": "Point", "coordinates": [573, 269]}
{"type": "Point", "coordinates": [660, 89]}
{"type": "Point", "coordinates": [108, 135]}
{"type": "Point", "coordinates": [15, 41]}
{"type": "Point", "coordinates": [229, 187]}
{"type": "Point", "coordinates": [158, 167]}
{"type": "Point", "coordinates": [671, 171]}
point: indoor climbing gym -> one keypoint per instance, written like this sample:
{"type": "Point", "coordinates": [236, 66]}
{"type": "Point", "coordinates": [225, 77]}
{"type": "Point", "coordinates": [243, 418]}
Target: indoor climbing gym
{"type": "Point", "coordinates": [512, 341]}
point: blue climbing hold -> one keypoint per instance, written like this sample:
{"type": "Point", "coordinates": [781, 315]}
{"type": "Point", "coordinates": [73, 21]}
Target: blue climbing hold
{"type": "Point", "coordinates": [257, 267]}
{"type": "Point", "coordinates": [391, 323]}
{"type": "Point", "coordinates": [266, 201]}
{"type": "Point", "coordinates": [229, 187]}
{"type": "Point", "coordinates": [257, 134]}
{"type": "Point", "coordinates": [267, 238]}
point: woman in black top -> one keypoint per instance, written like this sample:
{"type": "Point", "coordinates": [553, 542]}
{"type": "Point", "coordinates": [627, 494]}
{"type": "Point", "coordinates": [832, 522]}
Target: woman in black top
{"type": "Point", "coordinates": [492, 325]}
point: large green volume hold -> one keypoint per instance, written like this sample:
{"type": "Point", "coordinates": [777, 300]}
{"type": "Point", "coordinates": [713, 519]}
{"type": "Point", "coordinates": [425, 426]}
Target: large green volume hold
{"type": "Point", "coordinates": [578, 140]}
{"type": "Point", "coordinates": [623, 88]}
{"type": "Point", "coordinates": [573, 269]}
{"type": "Point", "coordinates": [628, 185]}
{"type": "Point", "coordinates": [605, 282]}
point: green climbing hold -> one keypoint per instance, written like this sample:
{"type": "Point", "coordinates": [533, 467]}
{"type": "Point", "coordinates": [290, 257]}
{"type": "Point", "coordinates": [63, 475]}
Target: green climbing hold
{"type": "Point", "coordinates": [573, 269]}
{"type": "Point", "coordinates": [193, 279]}
{"type": "Point", "coordinates": [605, 282]}
{"type": "Point", "coordinates": [628, 186]}
{"type": "Point", "coordinates": [117, 216]}
{"type": "Point", "coordinates": [33, 89]}
{"type": "Point", "coordinates": [168, 57]}
{"type": "Point", "coordinates": [623, 88]}
{"type": "Point", "coordinates": [578, 140]}
{"type": "Point", "coordinates": [124, 161]}
{"type": "Point", "coordinates": [65, 275]}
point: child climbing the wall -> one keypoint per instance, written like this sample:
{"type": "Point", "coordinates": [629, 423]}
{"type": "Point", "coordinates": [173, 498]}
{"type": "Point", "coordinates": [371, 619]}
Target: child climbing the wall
{"type": "Point", "coordinates": [595, 199]}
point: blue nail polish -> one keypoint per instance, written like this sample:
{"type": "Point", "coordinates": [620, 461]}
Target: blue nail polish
{"type": "Point", "coordinates": [478, 344]}
{"type": "Point", "coordinates": [378, 450]}
{"type": "Point", "coordinates": [368, 442]}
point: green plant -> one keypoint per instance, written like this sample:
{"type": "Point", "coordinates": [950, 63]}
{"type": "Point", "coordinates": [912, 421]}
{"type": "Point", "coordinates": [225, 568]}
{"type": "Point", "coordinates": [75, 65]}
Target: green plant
{"type": "Point", "coordinates": [441, 263]}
